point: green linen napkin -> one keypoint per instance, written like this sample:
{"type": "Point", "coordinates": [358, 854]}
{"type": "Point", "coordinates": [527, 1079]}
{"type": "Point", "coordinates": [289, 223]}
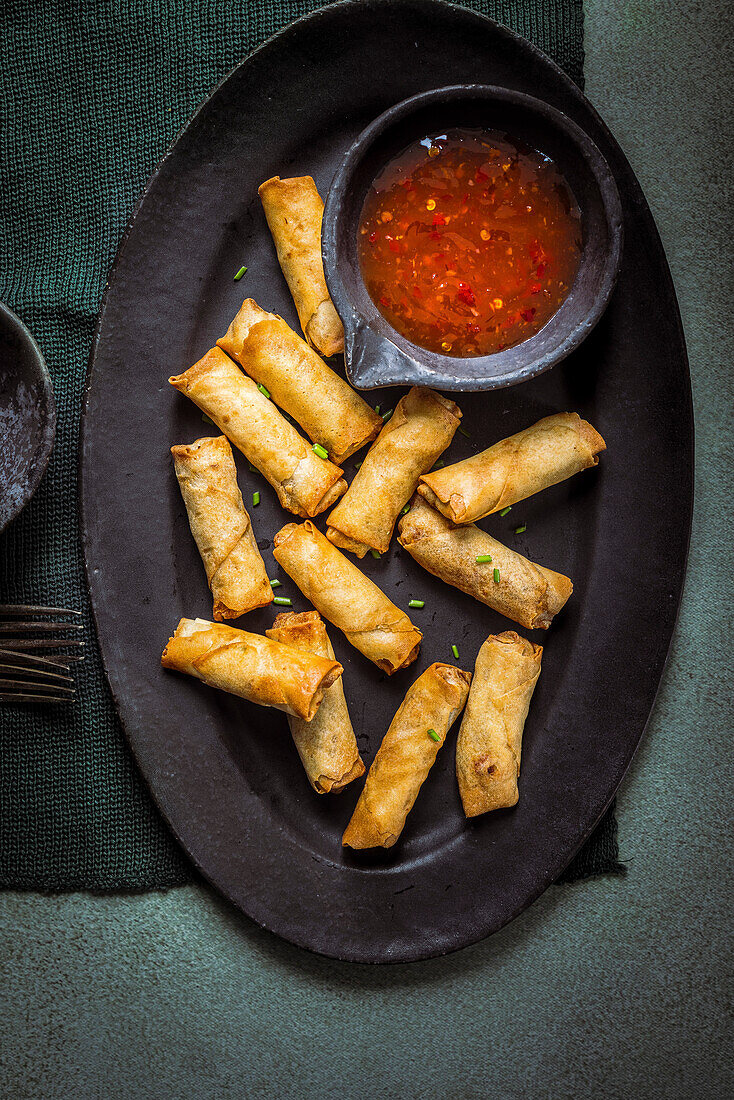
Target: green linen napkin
{"type": "Point", "coordinates": [93, 95]}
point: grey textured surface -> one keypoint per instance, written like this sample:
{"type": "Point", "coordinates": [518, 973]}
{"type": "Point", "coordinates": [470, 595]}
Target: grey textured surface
{"type": "Point", "coordinates": [608, 988]}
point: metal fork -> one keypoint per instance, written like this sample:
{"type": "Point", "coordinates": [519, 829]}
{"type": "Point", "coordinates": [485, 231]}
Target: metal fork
{"type": "Point", "coordinates": [36, 677]}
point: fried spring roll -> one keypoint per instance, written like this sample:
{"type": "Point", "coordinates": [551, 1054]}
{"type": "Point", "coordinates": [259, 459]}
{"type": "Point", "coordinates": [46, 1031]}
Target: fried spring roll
{"type": "Point", "coordinates": [324, 404]}
{"type": "Point", "coordinates": [348, 599]}
{"type": "Point", "coordinates": [235, 570]}
{"type": "Point", "coordinates": [552, 450]}
{"type": "Point", "coordinates": [490, 737]}
{"type": "Point", "coordinates": [528, 593]}
{"type": "Point", "coordinates": [406, 756]}
{"type": "Point", "coordinates": [326, 745]}
{"type": "Point", "coordinates": [419, 430]}
{"type": "Point", "coordinates": [294, 210]}
{"type": "Point", "coordinates": [251, 666]}
{"type": "Point", "coordinates": [305, 483]}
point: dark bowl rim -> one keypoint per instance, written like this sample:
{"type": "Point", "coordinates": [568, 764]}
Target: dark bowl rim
{"type": "Point", "coordinates": [453, 379]}
{"type": "Point", "coordinates": [9, 319]}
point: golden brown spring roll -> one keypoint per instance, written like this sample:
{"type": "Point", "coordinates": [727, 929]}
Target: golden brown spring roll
{"type": "Point", "coordinates": [330, 412]}
{"type": "Point", "coordinates": [490, 737]}
{"type": "Point", "coordinates": [305, 483]}
{"type": "Point", "coordinates": [406, 756]}
{"type": "Point", "coordinates": [343, 595]}
{"type": "Point", "coordinates": [513, 469]}
{"type": "Point", "coordinates": [235, 570]}
{"type": "Point", "coordinates": [251, 666]}
{"type": "Point", "coordinates": [326, 745]}
{"type": "Point", "coordinates": [419, 430]}
{"type": "Point", "coordinates": [294, 210]}
{"type": "Point", "coordinates": [528, 593]}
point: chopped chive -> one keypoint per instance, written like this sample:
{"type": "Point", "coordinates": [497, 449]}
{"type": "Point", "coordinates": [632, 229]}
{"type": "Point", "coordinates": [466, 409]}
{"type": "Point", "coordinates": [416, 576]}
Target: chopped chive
{"type": "Point", "coordinates": [357, 465]}
{"type": "Point", "coordinates": [253, 469]}
{"type": "Point", "coordinates": [239, 274]}
{"type": "Point", "coordinates": [433, 735]}
{"type": "Point", "coordinates": [386, 416]}
{"type": "Point", "coordinates": [375, 554]}
{"type": "Point", "coordinates": [377, 408]}
{"type": "Point", "coordinates": [439, 465]}
{"type": "Point", "coordinates": [506, 510]}
{"type": "Point", "coordinates": [455, 651]}
{"type": "Point", "coordinates": [207, 419]}
{"type": "Point", "coordinates": [320, 451]}
{"type": "Point", "coordinates": [275, 584]}
{"type": "Point", "coordinates": [519, 530]}
{"type": "Point", "coordinates": [496, 575]}
{"type": "Point", "coordinates": [483, 558]}
{"type": "Point", "coordinates": [464, 432]}
{"type": "Point", "coordinates": [417, 603]}
{"type": "Point", "coordinates": [263, 389]}
{"type": "Point", "coordinates": [405, 509]}
{"type": "Point", "coordinates": [255, 498]}
{"type": "Point", "coordinates": [283, 601]}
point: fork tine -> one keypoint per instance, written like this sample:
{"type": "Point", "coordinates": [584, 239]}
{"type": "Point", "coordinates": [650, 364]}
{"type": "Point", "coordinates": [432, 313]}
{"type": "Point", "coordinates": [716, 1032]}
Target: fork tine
{"type": "Point", "coordinates": [25, 685]}
{"type": "Point", "coordinates": [5, 628]}
{"type": "Point", "coordinates": [28, 697]}
{"type": "Point", "coordinates": [23, 609]}
{"type": "Point", "coordinates": [29, 660]}
{"type": "Point", "coordinates": [42, 643]}
{"type": "Point", "coordinates": [19, 670]}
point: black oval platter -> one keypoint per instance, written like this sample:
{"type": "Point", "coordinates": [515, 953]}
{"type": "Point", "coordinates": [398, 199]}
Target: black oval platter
{"type": "Point", "coordinates": [225, 773]}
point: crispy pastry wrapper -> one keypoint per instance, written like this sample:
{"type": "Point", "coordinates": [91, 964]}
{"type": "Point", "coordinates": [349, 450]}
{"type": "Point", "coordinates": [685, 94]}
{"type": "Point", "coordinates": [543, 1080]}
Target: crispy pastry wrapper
{"type": "Point", "coordinates": [550, 451]}
{"type": "Point", "coordinates": [299, 381]}
{"type": "Point", "coordinates": [305, 483]}
{"type": "Point", "coordinates": [490, 738]}
{"type": "Point", "coordinates": [406, 756]}
{"type": "Point", "coordinates": [294, 211]}
{"type": "Point", "coordinates": [528, 593]}
{"type": "Point", "coordinates": [326, 745]}
{"type": "Point", "coordinates": [221, 526]}
{"type": "Point", "coordinates": [419, 430]}
{"type": "Point", "coordinates": [251, 666]}
{"type": "Point", "coordinates": [346, 597]}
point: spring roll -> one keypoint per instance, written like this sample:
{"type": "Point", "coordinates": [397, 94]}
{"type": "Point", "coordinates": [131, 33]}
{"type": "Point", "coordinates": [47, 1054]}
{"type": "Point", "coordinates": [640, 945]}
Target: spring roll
{"type": "Point", "coordinates": [330, 412]}
{"type": "Point", "coordinates": [406, 756]}
{"type": "Point", "coordinates": [419, 430]}
{"type": "Point", "coordinates": [305, 483]}
{"type": "Point", "coordinates": [294, 210]}
{"type": "Point", "coordinates": [528, 593]}
{"type": "Point", "coordinates": [251, 666]}
{"type": "Point", "coordinates": [235, 570]}
{"type": "Point", "coordinates": [490, 737]}
{"type": "Point", "coordinates": [343, 595]}
{"type": "Point", "coordinates": [552, 450]}
{"type": "Point", "coordinates": [326, 745]}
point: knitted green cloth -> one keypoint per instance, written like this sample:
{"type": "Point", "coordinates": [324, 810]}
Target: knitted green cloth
{"type": "Point", "coordinates": [93, 94]}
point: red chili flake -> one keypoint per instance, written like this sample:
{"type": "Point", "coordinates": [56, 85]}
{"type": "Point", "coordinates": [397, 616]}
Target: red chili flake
{"type": "Point", "coordinates": [511, 319]}
{"type": "Point", "coordinates": [540, 270]}
{"type": "Point", "coordinates": [417, 292]}
{"type": "Point", "coordinates": [384, 302]}
{"type": "Point", "coordinates": [407, 184]}
{"type": "Point", "coordinates": [534, 288]}
{"type": "Point", "coordinates": [501, 347]}
{"type": "Point", "coordinates": [393, 246]}
{"type": "Point", "coordinates": [472, 328]}
{"type": "Point", "coordinates": [466, 294]}
{"type": "Point", "coordinates": [466, 197]}
{"type": "Point", "coordinates": [528, 314]}
{"type": "Point", "coordinates": [438, 219]}
{"type": "Point", "coordinates": [372, 238]}
{"type": "Point", "coordinates": [435, 235]}
{"type": "Point", "coordinates": [481, 175]}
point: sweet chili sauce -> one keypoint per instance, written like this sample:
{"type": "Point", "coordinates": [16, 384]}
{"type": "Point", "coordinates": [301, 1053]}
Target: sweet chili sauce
{"type": "Point", "coordinates": [469, 242]}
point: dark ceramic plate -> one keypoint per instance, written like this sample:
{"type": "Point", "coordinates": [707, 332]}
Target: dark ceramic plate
{"type": "Point", "coordinates": [225, 773]}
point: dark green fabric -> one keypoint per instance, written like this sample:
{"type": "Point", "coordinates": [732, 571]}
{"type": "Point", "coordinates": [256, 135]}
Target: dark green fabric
{"type": "Point", "coordinates": [92, 95]}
